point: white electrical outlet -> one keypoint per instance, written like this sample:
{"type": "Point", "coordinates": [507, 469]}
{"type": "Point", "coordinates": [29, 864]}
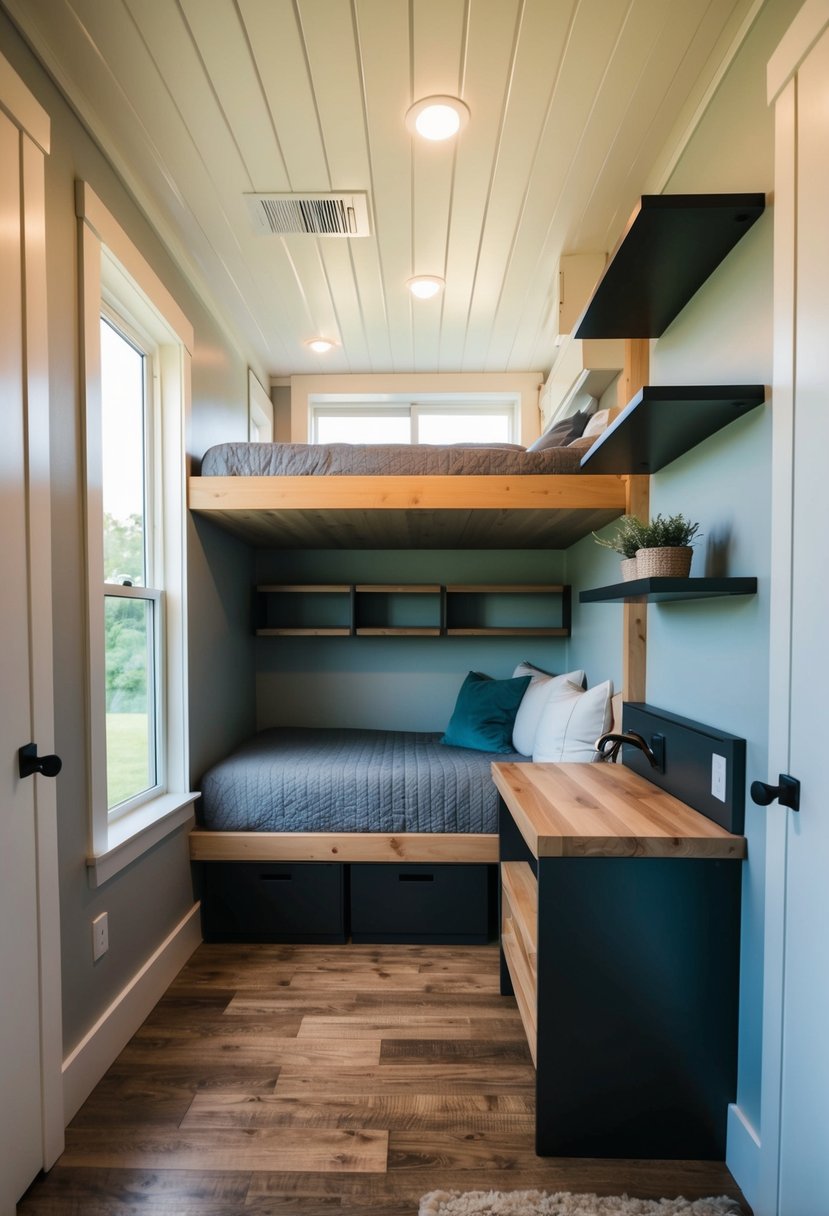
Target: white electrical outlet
{"type": "Point", "coordinates": [718, 776]}
{"type": "Point", "coordinates": [100, 936]}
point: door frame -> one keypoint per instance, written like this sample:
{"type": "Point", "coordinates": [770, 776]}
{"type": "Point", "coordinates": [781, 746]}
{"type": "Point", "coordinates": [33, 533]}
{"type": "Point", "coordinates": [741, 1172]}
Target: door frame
{"type": "Point", "coordinates": [34, 125]}
{"type": "Point", "coordinates": [804, 32]}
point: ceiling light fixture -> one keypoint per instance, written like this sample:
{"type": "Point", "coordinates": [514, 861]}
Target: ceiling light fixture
{"type": "Point", "coordinates": [320, 345]}
{"type": "Point", "coordinates": [437, 117]}
{"type": "Point", "coordinates": [425, 286]}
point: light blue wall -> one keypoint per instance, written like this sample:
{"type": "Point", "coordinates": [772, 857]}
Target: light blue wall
{"type": "Point", "coordinates": [709, 660]}
{"type": "Point", "coordinates": [596, 642]}
{"type": "Point", "coordinates": [395, 683]}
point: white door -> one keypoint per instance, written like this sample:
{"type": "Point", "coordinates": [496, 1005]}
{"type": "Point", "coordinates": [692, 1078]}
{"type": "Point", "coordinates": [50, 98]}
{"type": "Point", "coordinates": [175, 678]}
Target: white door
{"type": "Point", "coordinates": [795, 1130]}
{"type": "Point", "coordinates": [29, 960]}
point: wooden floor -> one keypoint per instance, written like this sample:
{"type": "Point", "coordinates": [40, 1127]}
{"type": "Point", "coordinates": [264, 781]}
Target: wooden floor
{"type": "Point", "coordinates": [308, 1079]}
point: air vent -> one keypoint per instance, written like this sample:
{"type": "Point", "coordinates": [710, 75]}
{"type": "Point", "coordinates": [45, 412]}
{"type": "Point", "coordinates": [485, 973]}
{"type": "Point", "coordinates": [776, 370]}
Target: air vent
{"type": "Point", "coordinates": [309, 214]}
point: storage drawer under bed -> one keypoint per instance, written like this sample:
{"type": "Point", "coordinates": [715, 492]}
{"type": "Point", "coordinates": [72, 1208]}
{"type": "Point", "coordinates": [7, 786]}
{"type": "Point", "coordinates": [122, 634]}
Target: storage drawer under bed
{"type": "Point", "coordinates": [451, 904]}
{"type": "Point", "coordinates": [448, 904]}
{"type": "Point", "coordinates": [249, 901]}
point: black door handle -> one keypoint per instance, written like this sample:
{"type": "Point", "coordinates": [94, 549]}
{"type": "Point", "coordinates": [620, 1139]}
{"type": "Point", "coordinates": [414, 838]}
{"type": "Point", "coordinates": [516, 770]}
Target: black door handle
{"type": "Point", "coordinates": [29, 762]}
{"type": "Point", "coordinates": [787, 792]}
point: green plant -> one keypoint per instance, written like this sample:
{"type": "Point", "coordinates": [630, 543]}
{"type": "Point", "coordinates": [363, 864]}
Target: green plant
{"type": "Point", "coordinates": [668, 531]}
{"type": "Point", "coordinates": [628, 537]}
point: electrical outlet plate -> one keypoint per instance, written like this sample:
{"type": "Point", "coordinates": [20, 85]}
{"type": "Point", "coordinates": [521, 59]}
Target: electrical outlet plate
{"type": "Point", "coordinates": [689, 765]}
{"type": "Point", "coordinates": [718, 776]}
{"type": "Point", "coordinates": [100, 936]}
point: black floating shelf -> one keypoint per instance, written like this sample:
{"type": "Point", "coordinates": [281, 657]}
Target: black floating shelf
{"type": "Point", "coordinates": [672, 243]}
{"type": "Point", "coordinates": [660, 424]}
{"type": "Point", "coordinates": [667, 590]}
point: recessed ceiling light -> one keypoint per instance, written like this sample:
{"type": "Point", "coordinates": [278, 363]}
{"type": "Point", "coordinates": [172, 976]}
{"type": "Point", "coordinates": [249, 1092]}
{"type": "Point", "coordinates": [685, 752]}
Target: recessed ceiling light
{"type": "Point", "coordinates": [437, 117]}
{"type": "Point", "coordinates": [320, 345]}
{"type": "Point", "coordinates": [424, 286]}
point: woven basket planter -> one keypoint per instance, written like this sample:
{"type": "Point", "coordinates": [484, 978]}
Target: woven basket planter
{"type": "Point", "coordinates": [630, 568]}
{"type": "Point", "coordinates": [670, 562]}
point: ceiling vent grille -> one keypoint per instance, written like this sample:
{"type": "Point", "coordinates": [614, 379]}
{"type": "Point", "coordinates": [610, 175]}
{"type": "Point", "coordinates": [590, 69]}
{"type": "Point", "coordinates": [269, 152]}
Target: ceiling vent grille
{"type": "Point", "coordinates": [309, 214]}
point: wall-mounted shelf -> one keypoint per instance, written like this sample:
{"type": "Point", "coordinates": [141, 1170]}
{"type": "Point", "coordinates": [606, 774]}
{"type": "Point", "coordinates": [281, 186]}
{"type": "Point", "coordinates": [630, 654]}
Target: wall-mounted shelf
{"type": "Point", "coordinates": [667, 590]}
{"type": "Point", "coordinates": [490, 609]}
{"type": "Point", "coordinates": [305, 610]}
{"type": "Point", "coordinates": [660, 424]}
{"type": "Point", "coordinates": [672, 243]}
{"type": "Point", "coordinates": [397, 610]}
{"type": "Point", "coordinates": [413, 610]}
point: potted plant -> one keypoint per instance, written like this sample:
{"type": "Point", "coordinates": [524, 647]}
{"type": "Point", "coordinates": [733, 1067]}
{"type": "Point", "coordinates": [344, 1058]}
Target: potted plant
{"type": "Point", "coordinates": [666, 547]}
{"type": "Point", "coordinates": [627, 541]}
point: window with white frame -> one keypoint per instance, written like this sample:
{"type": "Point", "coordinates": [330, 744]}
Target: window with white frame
{"type": "Point", "coordinates": [136, 358]}
{"type": "Point", "coordinates": [133, 567]}
{"type": "Point", "coordinates": [435, 422]}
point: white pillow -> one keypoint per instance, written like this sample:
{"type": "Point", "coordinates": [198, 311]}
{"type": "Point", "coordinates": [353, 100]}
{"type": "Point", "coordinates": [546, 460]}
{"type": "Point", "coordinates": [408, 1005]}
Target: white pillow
{"type": "Point", "coordinates": [541, 686]}
{"type": "Point", "coordinates": [597, 424]}
{"type": "Point", "coordinates": [571, 722]}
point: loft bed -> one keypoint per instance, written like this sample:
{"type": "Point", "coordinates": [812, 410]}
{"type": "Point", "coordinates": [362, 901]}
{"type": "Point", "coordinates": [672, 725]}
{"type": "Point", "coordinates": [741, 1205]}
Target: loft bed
{"type": "Point", "coordinates": [520, 500]}
{"type": "Point", "coordinates": [671, 245]}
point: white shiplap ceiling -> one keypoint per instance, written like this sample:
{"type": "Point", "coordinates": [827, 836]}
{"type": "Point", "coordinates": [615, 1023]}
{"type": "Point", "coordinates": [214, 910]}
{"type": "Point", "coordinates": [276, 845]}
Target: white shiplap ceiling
{"type": "Point", "coordinates": [577, 107]}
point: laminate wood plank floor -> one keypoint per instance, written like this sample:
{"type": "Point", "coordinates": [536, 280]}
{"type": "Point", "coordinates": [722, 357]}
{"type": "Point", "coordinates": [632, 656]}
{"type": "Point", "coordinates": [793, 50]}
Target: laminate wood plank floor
{"type": "Point", "coordinates": [318, 1080]}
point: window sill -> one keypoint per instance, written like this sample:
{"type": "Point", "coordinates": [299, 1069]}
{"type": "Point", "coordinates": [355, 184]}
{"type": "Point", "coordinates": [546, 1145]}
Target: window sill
{"type": "Point", "coordinates": [138, 831]}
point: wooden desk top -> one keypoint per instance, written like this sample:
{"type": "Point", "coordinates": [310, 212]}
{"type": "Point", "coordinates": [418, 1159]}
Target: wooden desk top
{"type": "Point", "coordinates": [606, 810]}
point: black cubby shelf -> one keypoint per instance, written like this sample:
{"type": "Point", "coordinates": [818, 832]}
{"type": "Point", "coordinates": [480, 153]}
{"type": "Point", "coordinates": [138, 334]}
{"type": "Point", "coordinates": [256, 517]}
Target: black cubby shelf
{"type": "Point", "coordinates": [661, 423]}
{"type": "Point", "coordinates": [671, 245]}
{"type": "Point", "coordinates": [412, 610]}
{"type": "Point", "coordinates": [668, 590]}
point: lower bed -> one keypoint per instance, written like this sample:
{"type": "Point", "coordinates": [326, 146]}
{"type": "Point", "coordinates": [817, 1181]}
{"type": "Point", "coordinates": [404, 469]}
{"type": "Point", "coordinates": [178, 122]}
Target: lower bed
{"type": "Point", "coordinates": [318, 834]}
{"type": "Point", "coordinates": [296, 779]}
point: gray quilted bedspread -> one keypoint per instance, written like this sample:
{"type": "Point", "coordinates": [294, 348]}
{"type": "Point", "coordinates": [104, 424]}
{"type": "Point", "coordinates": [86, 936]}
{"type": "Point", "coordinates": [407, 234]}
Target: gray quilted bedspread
{"type": "Point", "coordinates": [383, 460]}
{"type": "Point", "coordinates": [328, 780]}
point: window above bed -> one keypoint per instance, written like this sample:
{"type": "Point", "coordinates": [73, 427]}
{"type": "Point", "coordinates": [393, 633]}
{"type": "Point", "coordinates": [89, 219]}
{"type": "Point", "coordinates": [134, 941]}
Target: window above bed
{"type": "Point", "coordinates": [463, 420]}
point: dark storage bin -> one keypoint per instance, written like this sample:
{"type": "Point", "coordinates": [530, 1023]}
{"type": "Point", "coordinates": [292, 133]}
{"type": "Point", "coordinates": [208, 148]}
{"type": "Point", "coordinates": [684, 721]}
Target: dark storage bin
{"type": "Point", "coordinates": [248, 901]}
{"type": "Point", "coordinates": [450, 904]}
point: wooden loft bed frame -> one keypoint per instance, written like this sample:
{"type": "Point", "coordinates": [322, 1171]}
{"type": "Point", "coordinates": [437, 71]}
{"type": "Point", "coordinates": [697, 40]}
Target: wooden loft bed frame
{"type": "Point", "coordinates": [356, 512]}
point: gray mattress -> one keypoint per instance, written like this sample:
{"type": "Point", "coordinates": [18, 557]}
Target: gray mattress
{"type": "Point", "coordinates": [297, 779]}
{"type": "Point", "coordinates": [384, 460]}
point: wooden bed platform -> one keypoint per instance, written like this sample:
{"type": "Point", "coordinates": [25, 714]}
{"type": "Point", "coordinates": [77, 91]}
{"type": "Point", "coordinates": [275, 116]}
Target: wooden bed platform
{"type": "Point", "coordinates": [460, 848]}
{"type": "Point", "coordinates": [426, 512]}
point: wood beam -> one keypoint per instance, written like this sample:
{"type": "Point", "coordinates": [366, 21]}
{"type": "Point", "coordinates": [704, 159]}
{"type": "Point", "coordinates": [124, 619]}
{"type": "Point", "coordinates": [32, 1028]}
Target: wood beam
{"type": "Point", "coordinates": [635, 616]}
{"type": "Point", "coordinates": [635, 372]}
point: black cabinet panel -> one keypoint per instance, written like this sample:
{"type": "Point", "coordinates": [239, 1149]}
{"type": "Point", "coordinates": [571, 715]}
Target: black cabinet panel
{"type": "Point", "coordinates": [273, 901]}
{"type": "Point", "coordinates": [452, 904]}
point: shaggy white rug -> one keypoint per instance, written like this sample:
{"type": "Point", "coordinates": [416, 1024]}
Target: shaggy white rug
{"type": "Point", "coordinates": [539, 1203]}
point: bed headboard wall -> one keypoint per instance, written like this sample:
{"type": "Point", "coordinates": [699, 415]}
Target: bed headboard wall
{"type": "Point", "coordinates": [407, 683]}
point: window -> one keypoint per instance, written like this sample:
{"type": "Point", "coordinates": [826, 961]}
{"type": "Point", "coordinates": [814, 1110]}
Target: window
{"type": "Point", "coordinates": [260, 412]}
{"type": "Point", "coordinates": [467, 421]}
{"type": "Point", "coordinates": [136, 362]}
{"type": "Point", "coordinates": [133, 598]}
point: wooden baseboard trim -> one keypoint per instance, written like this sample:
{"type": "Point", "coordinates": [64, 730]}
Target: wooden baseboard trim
{"type": "Point", "coordinates": [87, 1063]}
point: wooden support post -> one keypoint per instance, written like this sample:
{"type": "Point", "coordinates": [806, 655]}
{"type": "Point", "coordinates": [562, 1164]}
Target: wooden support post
{"type": "Point", "coordinates": [635, 616]}
{"type": "Point", "coordinates": [634, 375]}
{"type": "Point", "coordinates": [636, 370]}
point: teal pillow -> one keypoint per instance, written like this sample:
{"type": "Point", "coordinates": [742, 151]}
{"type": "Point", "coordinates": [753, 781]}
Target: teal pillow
{"type": "Point", "coordinates": [484, 713]}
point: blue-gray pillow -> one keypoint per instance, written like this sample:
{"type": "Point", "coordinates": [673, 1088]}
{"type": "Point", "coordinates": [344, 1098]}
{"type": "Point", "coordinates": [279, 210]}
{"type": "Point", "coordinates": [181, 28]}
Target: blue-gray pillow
{"type": "Point", "coordinates": [484, 713]}
{"type": "Point", "coordinates": [562, 433]}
